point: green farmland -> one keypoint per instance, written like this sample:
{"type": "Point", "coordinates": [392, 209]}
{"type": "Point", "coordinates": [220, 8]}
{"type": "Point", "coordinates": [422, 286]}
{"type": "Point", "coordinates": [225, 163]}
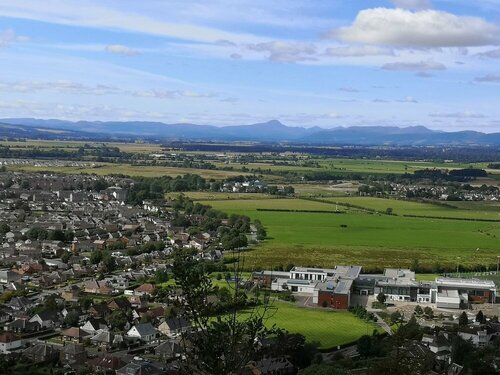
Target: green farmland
{"type": "Point", "coordinates": [483, 210]}
{"type": "Point", "coordinates": [359, 237]}
{"type": "Point", "coordinates": [105, 169]}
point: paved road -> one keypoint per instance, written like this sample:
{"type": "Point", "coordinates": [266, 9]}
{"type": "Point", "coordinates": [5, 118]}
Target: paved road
{"type": "Point", "coordinates": [381, 322]}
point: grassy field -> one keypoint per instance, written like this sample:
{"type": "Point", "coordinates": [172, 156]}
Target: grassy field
{"type": "Point", "coordinates": [124, 147]}
{"type": "Point", "coordinates": [103, 169]}
{"type": "Point", "coordinates": [360, 166]}
{"type": "Point", "coordinates": [328, 328]}
{"type": "Point", "coordinates": [481, 210]}
{"type": "Point", "coordinates": [357, 237]}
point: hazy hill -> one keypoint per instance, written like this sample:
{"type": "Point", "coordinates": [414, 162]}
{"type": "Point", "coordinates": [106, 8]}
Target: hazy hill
{"type": "Point", "coordinates": [272, 131]}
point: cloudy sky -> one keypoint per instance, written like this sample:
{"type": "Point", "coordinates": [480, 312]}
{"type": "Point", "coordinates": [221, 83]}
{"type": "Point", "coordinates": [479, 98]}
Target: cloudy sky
{"type": "Point", "coordinates": [305, 62]}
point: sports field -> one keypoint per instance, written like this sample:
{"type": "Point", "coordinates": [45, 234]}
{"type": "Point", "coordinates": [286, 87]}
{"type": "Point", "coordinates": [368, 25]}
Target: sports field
{"type": "Point", "coordinates": [359, 237]}
{"type": "Point", "coordinates": [328, 328]}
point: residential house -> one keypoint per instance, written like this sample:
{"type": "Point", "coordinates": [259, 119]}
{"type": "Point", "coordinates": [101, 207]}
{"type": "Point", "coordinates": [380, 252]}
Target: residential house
{"type": "Point", "coordinates": [270, 366]}
{"type": "Point", "coordinates": [169, 350]}
{"type": "Point", "coordinates": [94, 324]}
{"type": "Point", "coordinates": [8, 276]}
{"type": "Point", "coordinates": [73, 355]}
{"type": "Point", "coordinates": [9, 342]}
{"type": "Point", "coordinates": [139, 367]}
{"type": "Point", "coordinates": [174, 326]}
{"type": "Point", "coordinates": [103, 339]}
{"type": "Point", "coordinates": [119, 304]}
{"type": "Point", "coordinates": [74, 334]}
{"type": "Point", "coordinates": [144, 332]}
{"type": "Point", "coordinates": [97, 287]}
{"type": "Point", "coordinates": [22, 326]}
{"type": "Point", "coordinates": [41, 353]}
{"type": "Point", "coordinates": [21, 303]}
{"type": "Point", "coordinates": [108, 363]}
{"type": "Point", "coordinates": [99, 311]}
{"type": "Point", "coordinates": [144, 289]}
{"type": "Point", "coordinates": [46, 319]}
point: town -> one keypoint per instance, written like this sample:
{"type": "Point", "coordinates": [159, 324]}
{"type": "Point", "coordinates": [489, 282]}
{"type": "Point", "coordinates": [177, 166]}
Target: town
{"type": "Point", "coordinates": [87, 279]}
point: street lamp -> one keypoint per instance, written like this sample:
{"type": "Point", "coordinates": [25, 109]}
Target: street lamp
{"type": "Point", "coordinates": [498, 261]}
{"type": "Point", "coordinates": [458, 261]}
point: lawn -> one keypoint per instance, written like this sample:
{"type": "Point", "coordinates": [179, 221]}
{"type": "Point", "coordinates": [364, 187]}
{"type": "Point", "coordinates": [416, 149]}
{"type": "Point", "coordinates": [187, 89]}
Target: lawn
{"type": "Point", "coordinates": [328, 328]}
{"type": "Point", "coordinates": [374, 241]}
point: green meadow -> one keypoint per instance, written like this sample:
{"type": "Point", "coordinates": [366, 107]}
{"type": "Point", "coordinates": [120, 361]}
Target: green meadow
{"type": "Point", "coordinates": [324, 326]}
{"type": "Point", "coordinates": [483, 210]}
{"type": "Point", "coordinates": [360, 237]}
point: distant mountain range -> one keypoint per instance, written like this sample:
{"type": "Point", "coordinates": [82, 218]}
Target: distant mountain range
{"type": "Point", "coordinates": [268, 132]}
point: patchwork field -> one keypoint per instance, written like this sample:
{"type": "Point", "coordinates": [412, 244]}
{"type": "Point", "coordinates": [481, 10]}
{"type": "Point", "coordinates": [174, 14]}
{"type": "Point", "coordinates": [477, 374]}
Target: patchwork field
{"type": "Point", "coordinates": [47, 145]}
{"type": "Point", "coordinates": [104, 169]}
{"type": "Point", "coordinates": [359, 166]}
{"type": "Point", "coordinates": [476, 210]}
{"type": "Point", "coordinates": [359, 237]}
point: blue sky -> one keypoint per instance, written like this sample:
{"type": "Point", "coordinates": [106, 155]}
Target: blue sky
{"type": "Point", "coordinates": [318, 62]}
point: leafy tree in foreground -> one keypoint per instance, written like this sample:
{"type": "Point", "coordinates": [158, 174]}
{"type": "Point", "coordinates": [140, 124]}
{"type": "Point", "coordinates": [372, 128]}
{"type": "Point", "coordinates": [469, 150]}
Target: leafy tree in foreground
{"type": "Point", "coordinates": [221, 344]}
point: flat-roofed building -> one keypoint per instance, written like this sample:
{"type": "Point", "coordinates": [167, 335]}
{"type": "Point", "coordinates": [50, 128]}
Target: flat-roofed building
{"type": "Point", "coordinates": [470, 290]}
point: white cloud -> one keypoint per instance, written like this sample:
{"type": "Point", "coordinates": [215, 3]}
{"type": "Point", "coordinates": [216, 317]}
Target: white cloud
{"type": "Point", "coordinates": [358, 51]}
{"type": "Point", "coordinates": [457, 115]}
{"type": "Point", "coordinates": [90, 15]}
{"type": "Point", "coordinates": [420, 66]}
{"type": "Point", "coordinates": [348, 89]}
{"type": "Point", "coordinates": [76, 88]}
{"type": "Point", "coordinates": [59, 86]}
{"type": "Point", "coordinates": [285, 52]}
{"type": "Point", "coordinates": [420, 29]}
{"type": "Point", "coordinates": [412, 4]}
{"type": "Point", "coordinates": [407, 99]}
{"type": "Point", "coordinates": [9, 36]}
{"type": "Point", "coordinates": [120, 49]}
{"type": "Point", "coordinates": [236, 56]}
{"type": "Point", "coordinates": [492, 78]}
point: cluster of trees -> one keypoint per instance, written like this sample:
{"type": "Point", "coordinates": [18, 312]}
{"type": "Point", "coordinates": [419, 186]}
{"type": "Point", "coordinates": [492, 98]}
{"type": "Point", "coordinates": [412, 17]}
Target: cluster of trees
{"type": "Point", "coordinates": [146, 248]}
{"type": "Point", "coordinates": [104, 258]}
{"type": "Point", "coordinates": [145, 188]}
{"type": "Point", "coordinates": [232, 235]}
{"type": "Point", "coordinates": [361, 312]}
{"type": "Point", "coordinates": [452, 175]}
{"type": "Point", "coordinates": [40, 234]}
{"type": "Point", "coordinates": [261, 231]}
{"type": "Point", "coordinates": [99, 152]}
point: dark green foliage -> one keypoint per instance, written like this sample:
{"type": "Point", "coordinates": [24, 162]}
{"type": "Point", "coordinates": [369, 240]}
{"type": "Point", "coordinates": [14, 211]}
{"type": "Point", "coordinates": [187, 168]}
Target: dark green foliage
{"type": "Point", "coordinates": [480, 318]}
{"type": "Point", "coordinates": [221, 345]}
{"type": "Point", "coordinates": [381, 297]}
{"type": "Point", "coordinates": [463, 320]}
